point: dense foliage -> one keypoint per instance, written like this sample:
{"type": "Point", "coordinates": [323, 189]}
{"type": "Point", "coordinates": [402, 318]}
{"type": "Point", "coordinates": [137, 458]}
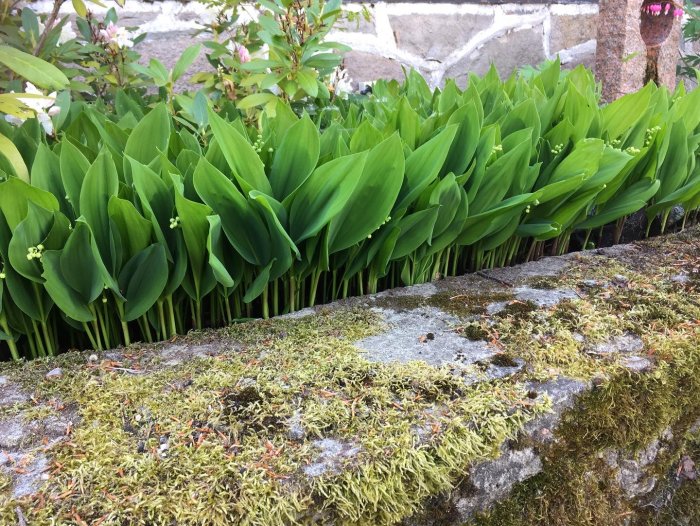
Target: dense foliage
{"type": "Point", "coordinates": [139, 223]}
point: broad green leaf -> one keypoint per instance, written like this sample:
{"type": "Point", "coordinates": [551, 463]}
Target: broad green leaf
{"type": "Point", "coordinates": [243, 226]}
{"type": "Point", "coordinates": [258, 286]}
{"type": "Point", "coordinates": [621, 114]}
{"type": "Point", "coordinates": [244, 162]}
{"type": "Point", "coordinates": [295, 158]}
{"type": "Point", "coordinates": [143, 279]}
{"type": "Point", "coordinates": [416, 229]}
{"type": "Point", "coordinates": [371, 202]}
{"type": "Point", "coordinates": [195, 229]}
{"type": "Point", "coordinates": [56, 285]}
{"type": "Point", "coordinates": [10, 152]}
{"type": "Point", "coordinates": [150, 136]}
{"type": "Point", "coordinates": [323, 195]}
{"type": "Point", "coordinates": [35, 70]}
{"type": "Point", "coordinates": [185, 61]}
{"type": "Point", "coordinates": [80, 271]}
{"type": "Point", "coordinates": [100, 184]}
{"type": "Point", "coordinates": [15, 195]}
{"type": "Point", "coordinates": [74, 165]}
{"type": "Point", "coordinates": [134, 230]}
{"type": "Point", "coordinates": [424, 165]}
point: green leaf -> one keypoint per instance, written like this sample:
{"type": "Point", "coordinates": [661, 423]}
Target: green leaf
{"type": "Point", "coordinates": [185, 61]}
{"type": "Point", "coordinates": [195, 229]}
{"type": "Point", "coordinates": [242, 225]}
{"type": "Point", "coordinates": [323, 195]}
{"type": "Point", "coordinates": [416, 229]}
{"type": "Point", "coordinates": [68, 300]}
{"type": "Point", "coordinates": [31, 232]}
{"type": "Point", "coordinates": [307, 81]}
{"type": "Point", "coordinates": [134, 230]}
{"type": "Point", "coordinates": [15, 196]}
{"type": "Point", "coordinates": [424, 165]}
{"type": "Point", "coordinates": [10, 152]}
{"type": "Point", "coordinates": [373, 198]}
{"type": "Point", "coordinates": [244, 162]}
{"type": "Point", "coordinates": [35, 70]}
{"type": "Point", "coordinates": [80, 271]}
{"type": "Point", "coordinates": [143, 279]}
{"type": "Point", "coordinates": [74, 165]}
{"type": "Point", "coordinates": [621, 114]}
{"type": "Point", "coordinates": [295, 158]}
{"type": "Point", "coordinates": [258, 286]}
{"type": "Point", "coordinates": [100, 184]}
{"type": "Point", "coordinates": [255, 99]}
{"type": "Point", "coordinates": [150, 137]}
{"type": "Point", "coordinates": [216, 253]}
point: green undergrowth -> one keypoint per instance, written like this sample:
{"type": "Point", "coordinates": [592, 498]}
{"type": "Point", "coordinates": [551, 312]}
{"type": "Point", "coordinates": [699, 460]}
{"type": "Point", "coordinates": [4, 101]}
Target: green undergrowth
{"type": "Point", "coordinates": [626, 410]}
{"type": "Point", "coordinates": [236, 438]}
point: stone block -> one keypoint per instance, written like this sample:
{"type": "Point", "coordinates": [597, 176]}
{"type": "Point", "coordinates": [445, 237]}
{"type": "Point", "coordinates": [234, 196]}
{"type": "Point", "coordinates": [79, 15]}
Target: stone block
{"type": "Point", "coordinates": [508, 52]}
{"type": "Point", "coordinates": [635, 47]}
{"type": "Point", "coordinates": [366, 67]}
{"type": "Point", "coordinates": [434, 37]}
{"type": "Point", "coordinates": [359, 25]}
{"type": "Point", "coordinates": [570, 30]}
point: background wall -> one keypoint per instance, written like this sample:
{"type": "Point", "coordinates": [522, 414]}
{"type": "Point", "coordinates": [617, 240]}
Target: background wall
{"type": "Point", "coordinates": [441, 39]}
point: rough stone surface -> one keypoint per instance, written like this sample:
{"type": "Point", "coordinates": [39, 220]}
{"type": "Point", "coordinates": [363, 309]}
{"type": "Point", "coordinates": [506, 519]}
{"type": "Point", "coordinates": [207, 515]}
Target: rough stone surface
{"type": "Point", "coordinates": [366, 67]}
{"type": "Point", "coordinates": [434, 37]}
{"type": "Point", "coordinates": [492, 481]}
{"type": "Point", "coordinates": [12, 432]}
{"type": "Point", "coordinates": [568, 31]}
{"type": "Point", "coordinates": [176, 354]}
{"type": "Point", "coordinates": [333, 454]}
{"type": "Point", "coordinates": [508, 52]}
{"type": "Point", "coordinates": [422, 334]}
{"type": "Point", "coordinates": [623, 53]}
{"type": "Point", "coordinates": [543, 298]}
{"type": "Point", "coordinates": [625, 343]}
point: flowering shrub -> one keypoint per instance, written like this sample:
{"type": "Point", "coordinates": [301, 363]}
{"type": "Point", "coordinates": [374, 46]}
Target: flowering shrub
{"type": "Point", "coordinates": [43, 107]}
{"type": "Point", "coordinates": [281, 55]}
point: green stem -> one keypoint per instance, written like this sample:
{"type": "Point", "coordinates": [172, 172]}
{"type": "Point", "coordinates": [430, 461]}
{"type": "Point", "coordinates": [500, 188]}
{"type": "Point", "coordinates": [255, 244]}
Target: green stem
{"type": "Point", "coordinates": [265, 303]}
{"type": "Point", "coordinates": [161, 320]}
{"type": "Point", "coordinates": [275, 297]}
{"type": "Point", "coordinates": [314, 287]}
{"type": "Point", "coordinates": [146, 327]}
{"type": "Point", "coordinates": [171, 314]}
{"type": "Point", "coordinates": [11, 342]}
{"type": "Point", "coordinates": [292, 293]}
{"type": "Point", "coordinates": [86, 327]}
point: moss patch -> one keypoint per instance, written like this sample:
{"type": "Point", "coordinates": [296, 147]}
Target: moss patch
{"type": "Point", "coordinates": [289, 423]}
{"type": "Point", "coordinates": [627, 410]}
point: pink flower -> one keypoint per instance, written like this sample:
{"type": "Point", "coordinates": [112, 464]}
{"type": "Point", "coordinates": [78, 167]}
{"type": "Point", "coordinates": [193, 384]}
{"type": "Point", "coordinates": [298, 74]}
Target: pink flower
{"type": "Point", "coordinates": [678, 11]}
{"type": "Point", "coordinates": [240, 50]}
{"type": "Point", "coordinates": [115, 35]}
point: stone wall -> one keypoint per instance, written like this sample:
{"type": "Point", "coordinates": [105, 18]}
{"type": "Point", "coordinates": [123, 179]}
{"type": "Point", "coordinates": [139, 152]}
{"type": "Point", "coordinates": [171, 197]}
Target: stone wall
{"type": "Point", "coordinates": [448, 40]}
{"type": "Point", "coordinates": [439, 39]}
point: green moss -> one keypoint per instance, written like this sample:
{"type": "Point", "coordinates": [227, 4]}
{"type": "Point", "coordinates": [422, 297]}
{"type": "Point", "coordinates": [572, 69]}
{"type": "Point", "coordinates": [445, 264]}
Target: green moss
{"type": "Point", "coordinates": [209, 441]}
{"type": "Point", "coordinates": [627, 410]}
{"type": "Point", "coordinates": [463, 304]}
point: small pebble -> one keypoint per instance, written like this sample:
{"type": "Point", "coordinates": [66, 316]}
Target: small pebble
{"type": "Point", "coordinates": [54, 374]}
{"type": "Point", "coordinates": [92, 358]}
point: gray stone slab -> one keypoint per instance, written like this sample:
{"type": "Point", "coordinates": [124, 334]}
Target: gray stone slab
{"type": "Point", "coordinates": [570, 30]}
{"type": "Point", "coordinates": [543, 298]}
{"type": "Point", "coordinates": [433, 36]}
{"type": "Point", "coordinates": [493, 480]}
{"type": "Point", "coordinates": [508, 52]}
{"type": "Point", "coordinates": [622, 344]}
{"type": "Point", "coordinates": [423, 334]}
